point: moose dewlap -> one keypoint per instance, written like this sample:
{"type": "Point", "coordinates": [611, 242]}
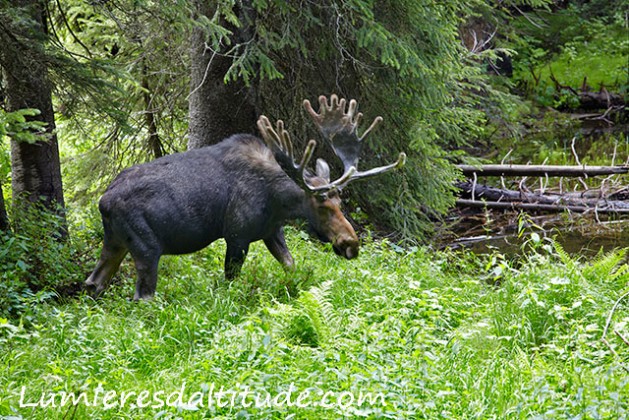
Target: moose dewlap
{"type": "Point", "coordinates": [243, 189]}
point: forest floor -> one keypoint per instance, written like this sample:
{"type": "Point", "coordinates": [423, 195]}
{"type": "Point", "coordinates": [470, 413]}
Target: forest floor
{"type": "Point", "coordinates": [396, 333]}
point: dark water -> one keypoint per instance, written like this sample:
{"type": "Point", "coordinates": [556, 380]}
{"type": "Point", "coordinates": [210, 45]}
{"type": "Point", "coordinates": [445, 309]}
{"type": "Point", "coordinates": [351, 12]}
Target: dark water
{"type": "Point", "coordinates": [577, 242]}
{"type": "Point", "coordinates": [587, 235]}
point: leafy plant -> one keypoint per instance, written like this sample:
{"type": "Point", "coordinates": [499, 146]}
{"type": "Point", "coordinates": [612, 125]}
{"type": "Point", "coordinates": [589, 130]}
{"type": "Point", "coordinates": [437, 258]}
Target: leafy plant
{"type": "Point", "coordinates": [419, 327]}
{"type": "Point", "coordinates": [33, 262]}
{"type": "Point", "coordinates": [576, 49]}
{"type": "Point", "coordinates": [19, 127]}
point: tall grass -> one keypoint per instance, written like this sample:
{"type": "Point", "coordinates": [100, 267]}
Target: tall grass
{"type": "Point", "coordinates": [435, 334]}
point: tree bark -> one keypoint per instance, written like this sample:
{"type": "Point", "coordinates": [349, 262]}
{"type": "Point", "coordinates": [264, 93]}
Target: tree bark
{"type": "Point", "coordinates": [154, 142]}
{"type": "Point", "coordinates": [4, 219]}
{"type": "Point", "coordinates": [36, 169]}
{"type": "Point", "coordinates": [218, 109]}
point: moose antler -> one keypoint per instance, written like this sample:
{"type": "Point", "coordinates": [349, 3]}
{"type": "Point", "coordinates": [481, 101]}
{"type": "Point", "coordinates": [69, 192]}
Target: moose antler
{"type": "Point", "coordinates": [339, 126]}
{"type": "Point", "coordinates": [279, 142]}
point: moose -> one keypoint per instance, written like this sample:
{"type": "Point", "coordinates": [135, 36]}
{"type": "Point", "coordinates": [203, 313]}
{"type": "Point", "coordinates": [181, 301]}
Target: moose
{"type": "Point", "coordinates": [242, 189]}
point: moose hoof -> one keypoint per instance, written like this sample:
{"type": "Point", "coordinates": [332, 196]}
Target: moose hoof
{"type": "Point", "coordinates": [92, 289]}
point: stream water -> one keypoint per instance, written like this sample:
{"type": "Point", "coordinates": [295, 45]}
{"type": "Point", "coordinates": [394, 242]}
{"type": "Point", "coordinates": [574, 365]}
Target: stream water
{"type": "Point", "coordinates": [580, 236]}
{"type": "Point", "coordinates": [593, 143]}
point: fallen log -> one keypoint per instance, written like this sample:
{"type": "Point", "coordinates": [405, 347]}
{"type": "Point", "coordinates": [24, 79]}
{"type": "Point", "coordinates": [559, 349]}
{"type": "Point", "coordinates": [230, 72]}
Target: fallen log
{"type": "Point", "coordinates": [537, 207]}
{"type": "Point", "coordinates": [541, 170]}
{"type": "Point", "coordinates": [590, 100]}
{"type": "Point", "coordinates": [478, 195]}
{"type": "Point", "coordinates": [600, 100]}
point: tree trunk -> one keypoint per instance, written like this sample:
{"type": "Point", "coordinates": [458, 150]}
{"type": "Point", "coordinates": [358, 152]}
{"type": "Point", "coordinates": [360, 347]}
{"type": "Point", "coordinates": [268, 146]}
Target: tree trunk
{"type": "Point", "coordinates": [36, 170]}
{"type": "Point", "coordinates": [154, 142]}
{"type": "Point", "coordinates": [218, 109]}
{"type": "Point", "coordinates": [4, 219]}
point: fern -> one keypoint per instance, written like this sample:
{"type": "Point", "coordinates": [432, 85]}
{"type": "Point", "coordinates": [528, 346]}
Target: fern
{"type": "Point", "coordinates": [565, 258]}
{"type": "Point", "coordinates": [622, 272]}
{"type": "Point", "coordinates": [322, 297]}
{"type": "Point", "coordinates": [313, 321]}
{"type": "Point", "coordinates": [607, 267]}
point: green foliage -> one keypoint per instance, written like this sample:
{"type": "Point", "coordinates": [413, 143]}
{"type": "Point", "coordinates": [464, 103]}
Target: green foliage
{"type": "Point", "coordinates": [34, 260]}
{"type": "Point", "coordinates": [19, 127]}
{"type": "Point", "coordinates": [424, 329]}
{"type": "Point", "coordinates": [136, 54]}
{"type": "Point", "coordinates": [114, 64]}
{"type": "Point", "coordinates": [566, 48]}
{"type": "Point", "coordinates": [550, 138]}
{"type": "Point", "coordinates": [312, 318]}
{"type": "Point", "coordinates": [400, 59]}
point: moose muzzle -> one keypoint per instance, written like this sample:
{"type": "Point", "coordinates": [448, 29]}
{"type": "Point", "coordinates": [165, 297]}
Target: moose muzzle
{"type": "Point", "coordinates": [346, 247]}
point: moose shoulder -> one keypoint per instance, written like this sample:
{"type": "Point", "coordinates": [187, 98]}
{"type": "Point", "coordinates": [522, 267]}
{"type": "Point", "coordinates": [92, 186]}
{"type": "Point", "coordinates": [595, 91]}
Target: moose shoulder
{"type": "Point", "coordinates": [242, 189]}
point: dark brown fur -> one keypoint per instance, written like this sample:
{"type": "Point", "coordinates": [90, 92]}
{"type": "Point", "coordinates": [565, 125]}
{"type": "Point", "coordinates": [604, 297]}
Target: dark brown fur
{"type": "Point", "coordinates": [181, 203]}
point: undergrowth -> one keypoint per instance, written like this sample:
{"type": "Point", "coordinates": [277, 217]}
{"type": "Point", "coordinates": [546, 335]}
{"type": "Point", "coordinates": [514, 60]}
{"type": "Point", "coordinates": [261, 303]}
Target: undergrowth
{"type": "Point", "coordinates": [566, 50]}
{"type": "Point", "coordinates": [433, 334]}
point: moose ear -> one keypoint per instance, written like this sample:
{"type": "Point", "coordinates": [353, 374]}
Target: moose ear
{"type": "Point", "coordinates": [323, 170]}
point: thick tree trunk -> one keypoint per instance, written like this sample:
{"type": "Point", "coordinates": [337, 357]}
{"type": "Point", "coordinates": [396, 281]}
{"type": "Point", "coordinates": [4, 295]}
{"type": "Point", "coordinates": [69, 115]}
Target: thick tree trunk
{"type": "Point", "coordinates": [217, 109]}
{"type": "Point", "coordinates": [36, 170]}
{"type": "Point", "coordinates": [4, 219]}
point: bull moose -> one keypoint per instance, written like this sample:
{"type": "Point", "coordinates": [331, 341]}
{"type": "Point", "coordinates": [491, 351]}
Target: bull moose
{"type": "Point", "coordinates": [242, 189]}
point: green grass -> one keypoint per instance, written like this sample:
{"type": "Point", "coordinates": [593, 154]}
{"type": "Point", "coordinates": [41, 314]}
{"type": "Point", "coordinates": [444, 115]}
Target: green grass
{"type": "Point", "coordinates": [436, 334]}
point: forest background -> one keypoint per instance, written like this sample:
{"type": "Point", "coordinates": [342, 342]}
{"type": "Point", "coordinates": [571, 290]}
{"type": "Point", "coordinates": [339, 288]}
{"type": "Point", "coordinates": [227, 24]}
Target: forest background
{"type": "Point", "coordinates": [89, 88]}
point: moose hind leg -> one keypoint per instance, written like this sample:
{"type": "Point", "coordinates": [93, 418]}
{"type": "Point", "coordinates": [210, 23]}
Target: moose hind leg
{"type": "Point", "coordinates": [146, 267]}
{"type": "Point", "coordinates": [108, 264]}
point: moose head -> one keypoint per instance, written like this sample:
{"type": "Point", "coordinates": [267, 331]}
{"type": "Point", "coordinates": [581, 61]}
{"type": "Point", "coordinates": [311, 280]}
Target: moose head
{"type": "Point", "coordinates": [338, 124]}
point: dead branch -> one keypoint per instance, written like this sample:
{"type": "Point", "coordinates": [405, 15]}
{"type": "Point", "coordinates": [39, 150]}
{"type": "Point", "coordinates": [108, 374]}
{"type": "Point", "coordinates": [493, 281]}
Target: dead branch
{"type": "Point", "coordinates": [514, 205]}
{"type": "Point", "coordinates": [473, 194]}
{"type": "Point", "coordinates": [542, 170]}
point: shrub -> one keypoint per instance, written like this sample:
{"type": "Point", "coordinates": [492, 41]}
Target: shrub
{"type": "Point", "coordinates": [35, 260]}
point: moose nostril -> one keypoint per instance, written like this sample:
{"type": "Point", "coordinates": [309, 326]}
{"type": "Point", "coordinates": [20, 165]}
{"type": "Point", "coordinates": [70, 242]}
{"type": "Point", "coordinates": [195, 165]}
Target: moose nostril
{"type": "Point", "coordinates": [347, 248]}
{"type": "Point", "coordinates": [351, 252]}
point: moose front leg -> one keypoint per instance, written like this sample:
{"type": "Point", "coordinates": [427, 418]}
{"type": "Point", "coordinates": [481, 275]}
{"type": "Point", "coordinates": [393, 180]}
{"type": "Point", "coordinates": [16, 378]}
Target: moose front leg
{"type": "Point", "coordinates": [276, 244]}
{"type": "Point", "coordinates": [234, 258]}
